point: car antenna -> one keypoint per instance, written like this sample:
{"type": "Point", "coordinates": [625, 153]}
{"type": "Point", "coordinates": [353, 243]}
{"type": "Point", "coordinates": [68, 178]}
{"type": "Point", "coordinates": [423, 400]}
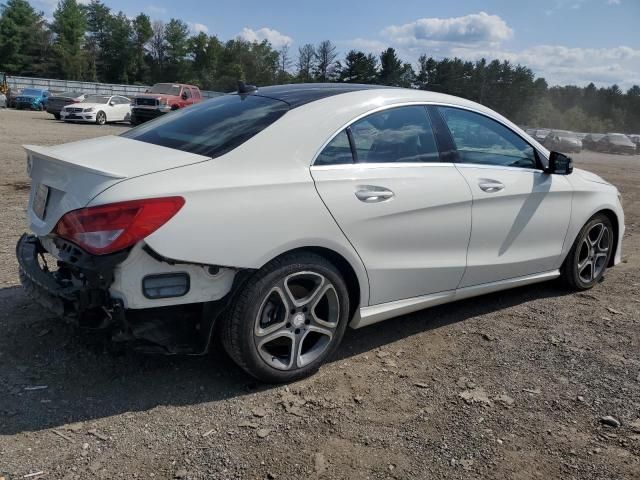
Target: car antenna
{"type": "Point", "coordinates": [244, 89]}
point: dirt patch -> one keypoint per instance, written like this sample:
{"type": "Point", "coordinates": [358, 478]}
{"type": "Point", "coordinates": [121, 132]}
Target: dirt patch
{"type": "Point", "coordinates": [510, 385]}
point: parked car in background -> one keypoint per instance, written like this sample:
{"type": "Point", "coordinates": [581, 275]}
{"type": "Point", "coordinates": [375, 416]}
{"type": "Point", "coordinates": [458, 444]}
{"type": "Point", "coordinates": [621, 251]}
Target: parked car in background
{"type": "Point", "coordinates": [98, 109]}
{"type": "Point", "coordinates": [58, 101]}
{"type": "Point", "coordinates": [32, 99]}
{"type": "Point", "coordinates": [540, 134]}
{"type": "Point", "coordinates": [563, 141]}
{"type": "Point", "coordinates": [591, 140]}
{"type": "Point", "coordinates": [275, 217]}
{"type": "Point", "coordinates": [163, 98]}
{"type": "Point", "coordinates": [616, 143]}
{"type": "Point", "coordinates": [636, 139]}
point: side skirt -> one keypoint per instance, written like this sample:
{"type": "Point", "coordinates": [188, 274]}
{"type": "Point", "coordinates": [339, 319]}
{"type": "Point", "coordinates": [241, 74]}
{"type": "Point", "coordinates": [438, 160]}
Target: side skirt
{"type": "Point", "coordinates": [377, 313]}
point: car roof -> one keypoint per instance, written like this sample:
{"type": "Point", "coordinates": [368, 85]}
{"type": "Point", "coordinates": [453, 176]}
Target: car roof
{"type": "Point", "coordinates": [299, 94]}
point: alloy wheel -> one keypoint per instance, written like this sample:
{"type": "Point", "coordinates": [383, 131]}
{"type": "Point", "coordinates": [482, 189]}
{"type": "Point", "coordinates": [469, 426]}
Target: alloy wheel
{"type": "Point", "coordinates": [593, 253]}
{"type": "Point", "coordinates": [297, 320]}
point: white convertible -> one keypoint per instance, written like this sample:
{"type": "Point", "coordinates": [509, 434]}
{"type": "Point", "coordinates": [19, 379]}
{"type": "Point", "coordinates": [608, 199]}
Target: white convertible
{"type": "Point", "coordinates": [98, 109]}
{"type": "Point", "coordinates": [274, 217]}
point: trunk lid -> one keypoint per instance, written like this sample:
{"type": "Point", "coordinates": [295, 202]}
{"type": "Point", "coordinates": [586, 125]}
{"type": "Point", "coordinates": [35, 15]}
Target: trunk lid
{"type": "Point", "coordinates": [66, 177]}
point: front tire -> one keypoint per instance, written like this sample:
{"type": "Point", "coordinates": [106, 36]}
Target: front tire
{"type": "Point", "coordinates": [590, 254]}
{"type": "Point", "coordinates": [101, 118]}
{"type": "Point", "coordinates": [288, 318]}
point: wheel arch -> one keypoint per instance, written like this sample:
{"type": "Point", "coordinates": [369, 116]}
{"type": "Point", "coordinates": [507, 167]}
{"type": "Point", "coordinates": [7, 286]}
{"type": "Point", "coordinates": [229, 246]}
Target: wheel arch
{"type": "Point", "coordinates": [344, 267]}
{"type": "Point", "coordinates": [615, 222]}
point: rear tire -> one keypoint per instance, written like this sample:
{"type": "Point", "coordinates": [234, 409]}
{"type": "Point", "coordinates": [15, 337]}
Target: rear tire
{"type": "Point", "coordinates": [590, 254]}
{"type": "Point", "coordinates": [288, 319]}
{"type": "Point", "coordinates": [56, 116]}
{"type": "Point", "coordinates": [101, 118]}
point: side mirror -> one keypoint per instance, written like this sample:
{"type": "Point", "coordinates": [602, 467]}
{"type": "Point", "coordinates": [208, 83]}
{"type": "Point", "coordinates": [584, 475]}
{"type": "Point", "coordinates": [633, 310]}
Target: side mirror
{"type": "Point", "coordinates": [112, 103]}
{"type": "Point", "coordinates": [184, 95]}
{"type": "Point", "coordinates": [559, 164]}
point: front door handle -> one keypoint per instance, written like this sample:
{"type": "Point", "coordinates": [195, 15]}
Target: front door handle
{"type": "Point", "coordinates": [373, 194]}
{"type": "Point", "coordinates": [490, 186]}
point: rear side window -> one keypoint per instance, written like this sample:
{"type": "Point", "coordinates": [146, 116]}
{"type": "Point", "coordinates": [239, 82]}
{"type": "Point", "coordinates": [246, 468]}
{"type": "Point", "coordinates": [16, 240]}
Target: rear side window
{"type": "Point", "coordinates": [397, 135]}
{"type": "Point", "coordinates": [337, 152]}
{"type": "Point", "coordinates": [213, 127]}
{"type": "Point", "coordinates": [480, 139]}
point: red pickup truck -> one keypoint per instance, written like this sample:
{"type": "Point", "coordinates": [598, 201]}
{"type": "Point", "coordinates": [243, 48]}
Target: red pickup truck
{"type": "Point", "coordinates": [163, 98]}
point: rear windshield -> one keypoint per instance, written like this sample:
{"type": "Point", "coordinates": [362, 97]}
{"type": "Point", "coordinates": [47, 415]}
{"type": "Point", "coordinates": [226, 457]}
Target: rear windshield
{"type": "Point", "coordinates": [31, 91]}
{"type": "Point", "coordinates": [214, 127]}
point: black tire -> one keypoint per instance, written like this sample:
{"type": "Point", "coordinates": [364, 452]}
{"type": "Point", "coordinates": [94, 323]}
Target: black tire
{"type": "Point", "coordinates": [574, 274]}
{"type": "Point", "coordinates": [101, 118]}
{"type": "Point", "coordinates": [239, 328]}
{"type": "Point", "coordinates": [56, 116]}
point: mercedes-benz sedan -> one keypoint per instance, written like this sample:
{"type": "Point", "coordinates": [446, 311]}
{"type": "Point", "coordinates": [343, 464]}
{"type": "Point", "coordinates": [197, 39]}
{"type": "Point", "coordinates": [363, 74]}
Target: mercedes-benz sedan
{"type": "Point", "coordinates": [274, 218]}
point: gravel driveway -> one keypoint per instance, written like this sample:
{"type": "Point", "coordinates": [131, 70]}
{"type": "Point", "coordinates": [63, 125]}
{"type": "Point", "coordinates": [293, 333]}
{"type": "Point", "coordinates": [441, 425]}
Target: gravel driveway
{"type": "Point", "coordinates": [510, 385]}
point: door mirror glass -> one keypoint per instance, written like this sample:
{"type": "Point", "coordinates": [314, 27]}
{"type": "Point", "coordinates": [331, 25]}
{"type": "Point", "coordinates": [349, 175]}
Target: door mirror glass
{"type": "Point", "coordinates": [112, 103]}
{"type": "Point", "coordinates": [559, 164]}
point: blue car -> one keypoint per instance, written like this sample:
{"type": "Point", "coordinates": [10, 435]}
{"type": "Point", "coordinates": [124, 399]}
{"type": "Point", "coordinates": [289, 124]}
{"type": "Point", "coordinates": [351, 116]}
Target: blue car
{"type": "Point", "coordinates": [32, 99]}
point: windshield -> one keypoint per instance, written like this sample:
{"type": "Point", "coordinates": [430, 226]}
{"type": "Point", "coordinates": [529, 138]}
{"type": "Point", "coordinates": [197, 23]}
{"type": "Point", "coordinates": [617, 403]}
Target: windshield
{"type": "Point", "coordinates": [32, 92]}
{"type": "Point", "coordinates": [96, 99]}
{"type": "Point", "coordinates": [70, 94]}
{"type": "Point", "coordinates": [165, 89]}
{"type": "Point", "coordinates": [214, 127]}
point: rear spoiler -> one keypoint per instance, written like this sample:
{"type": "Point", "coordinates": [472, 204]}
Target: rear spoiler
{"type": "Point", "coordinates": [46, 153]}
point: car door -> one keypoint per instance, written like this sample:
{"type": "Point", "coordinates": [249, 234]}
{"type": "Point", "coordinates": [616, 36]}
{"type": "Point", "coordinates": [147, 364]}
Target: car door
{"type": "Point", "coordinates": [520, 214]}
{"type": "Point", "coordinates": [123, 106]}
{"type": "Point", "coordinates": [406, 212]}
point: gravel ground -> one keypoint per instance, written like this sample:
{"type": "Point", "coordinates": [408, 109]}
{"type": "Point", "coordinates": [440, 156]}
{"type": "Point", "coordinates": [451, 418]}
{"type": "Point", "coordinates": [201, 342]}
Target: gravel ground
{"type": "Point", "coordinates": [510, 385]}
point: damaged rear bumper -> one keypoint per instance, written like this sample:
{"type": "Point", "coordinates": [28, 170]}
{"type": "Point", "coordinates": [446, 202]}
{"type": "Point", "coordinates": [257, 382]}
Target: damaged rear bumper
{"type": "Point", "coordinates": [77, 289]}
{"type": "Point", "coordinates": [103, 292]}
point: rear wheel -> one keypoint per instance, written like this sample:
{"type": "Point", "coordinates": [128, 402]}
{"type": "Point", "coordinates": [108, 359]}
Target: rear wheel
{"type": "Point", "coordinates": [57, 116]}
{"type": "Point", "coordinates": [589, 256]}
{"type": "Point", "coordinates": [101, 118]}
{"type": "Point", "coordinates": [288, 319]}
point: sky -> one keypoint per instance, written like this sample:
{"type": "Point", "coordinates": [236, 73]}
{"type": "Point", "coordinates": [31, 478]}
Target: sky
{"type": "Point", "coordinates": [564, 41]}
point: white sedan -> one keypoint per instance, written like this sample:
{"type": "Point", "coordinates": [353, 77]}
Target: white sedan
{"type": "Point", "coordinates": [98, 109]}
{"type": "Point", "coordinates": [273, 218]}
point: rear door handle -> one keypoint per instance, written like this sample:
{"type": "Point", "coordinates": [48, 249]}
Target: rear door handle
{"type": "Point", "coordinates": [490, 186]}
{"type": "Point", "coordinates": [373, 194]}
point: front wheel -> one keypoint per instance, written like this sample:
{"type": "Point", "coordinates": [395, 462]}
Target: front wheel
{"type": "Point", "coordinates": [589, 256]}
{"type": "Point", "coordinates": [288, 319]}
{"type": "Point", "coordinates": [101, 118]}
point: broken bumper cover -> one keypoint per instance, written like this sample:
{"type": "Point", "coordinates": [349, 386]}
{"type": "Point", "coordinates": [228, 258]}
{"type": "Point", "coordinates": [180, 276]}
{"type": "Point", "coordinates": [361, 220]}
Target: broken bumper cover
{"type": "Point", "coordinates": [79, 285]}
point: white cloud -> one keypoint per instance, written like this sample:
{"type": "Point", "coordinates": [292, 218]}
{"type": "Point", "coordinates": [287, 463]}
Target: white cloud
{"type": "Point", "coordinates": [274, 37]}
{"type": "Point", "coordinates": [198, 27]}
{"type": "Point", "coordinates": [479, 35]}
{"type": "Point", "coordinates": [561, 65]}
{"type": "Point", "coordinates": [156, 9]}
{"type": "Point", "coordinates": [469, 29]}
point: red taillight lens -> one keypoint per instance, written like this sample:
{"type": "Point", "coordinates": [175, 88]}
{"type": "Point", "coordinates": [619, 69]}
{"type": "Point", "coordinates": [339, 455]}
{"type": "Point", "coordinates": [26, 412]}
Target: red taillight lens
{"type": "Point", "coordinates": [116, 226]}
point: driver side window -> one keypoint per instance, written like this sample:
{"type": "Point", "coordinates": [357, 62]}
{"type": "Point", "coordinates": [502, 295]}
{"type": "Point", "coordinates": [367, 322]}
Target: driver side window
{"type": "Point", "coordinates": [482, 140]}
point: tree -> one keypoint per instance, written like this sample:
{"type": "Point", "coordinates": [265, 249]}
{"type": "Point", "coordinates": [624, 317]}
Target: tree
{"type": "Point", "coordinates": [142, 33]}
{"type": "Point", "coordinates": [158, 48]}
{"type": "Point", "coordinates": [284, 64]}
{"type": "Point", "coordinates": [359, 68]}
{"type": "Point", "coordinates": [69, 24]}
{"type": "Point", "coordinates": [118, 51]}
{"type": "Point", "coordinates": [391, 68]}
{"type": "Point", "coordinates": [21, 29]}
{"type": "Point", "coordinates": [306, 62]}
{"type": "Point", "coordinates": [98, 17]}
{"type": "Point", "coordinates": [176, 35]}
{"type": "Point", "coordinates": [325, 57]}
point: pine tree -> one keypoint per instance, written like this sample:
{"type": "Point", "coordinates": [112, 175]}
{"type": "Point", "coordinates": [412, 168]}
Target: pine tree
{"type": "Point", "coordinates": [21, 29]}
{"type": "Point", "coordinates": [69, 25]}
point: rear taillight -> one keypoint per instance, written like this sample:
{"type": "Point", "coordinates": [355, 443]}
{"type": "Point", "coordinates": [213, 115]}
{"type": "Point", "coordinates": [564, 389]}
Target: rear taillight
{"type": "Point", "coordinates": [116, 226]}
